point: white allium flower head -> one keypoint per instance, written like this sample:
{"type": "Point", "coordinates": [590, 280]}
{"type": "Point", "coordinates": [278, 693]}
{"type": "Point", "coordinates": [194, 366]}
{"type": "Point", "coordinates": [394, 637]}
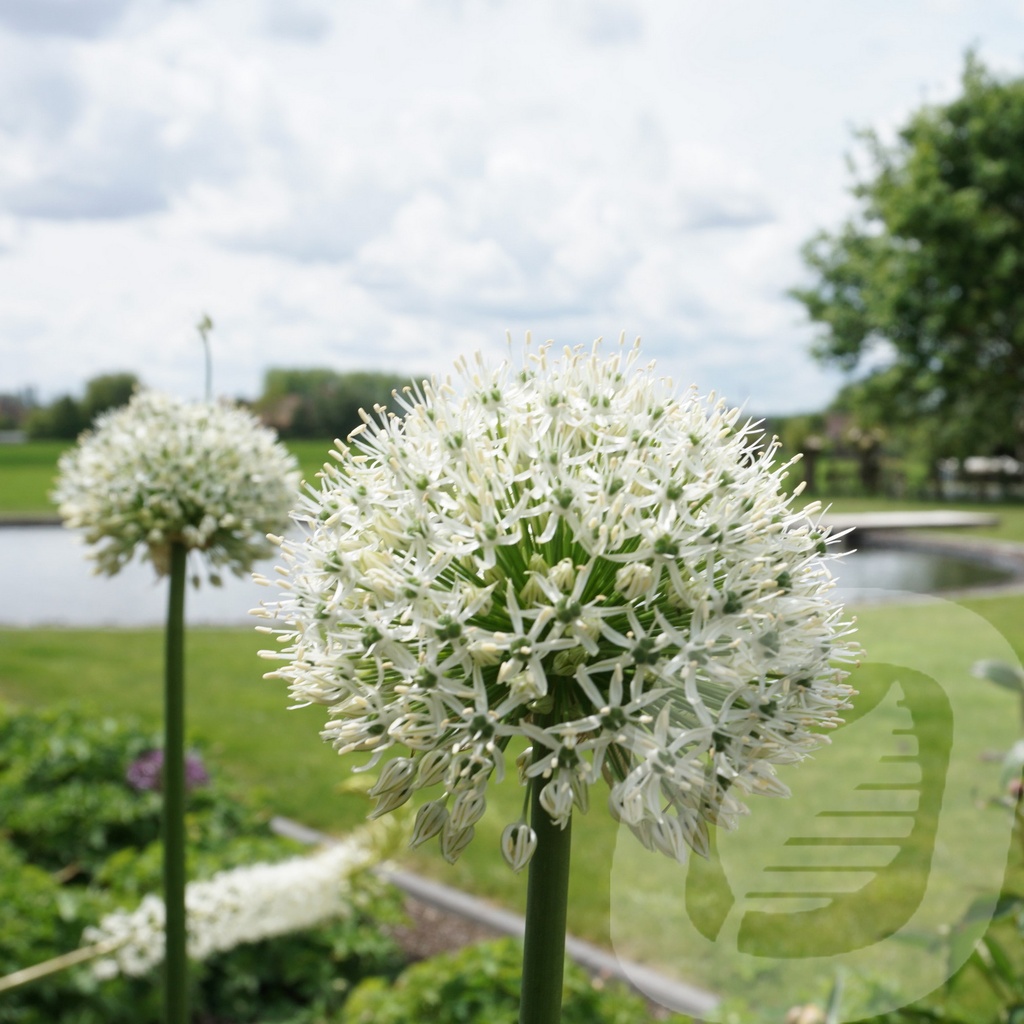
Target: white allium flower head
{"type": "Point", "coordinates": [568, 551]}
{"type": "Point", "coordinates": [160, 470]}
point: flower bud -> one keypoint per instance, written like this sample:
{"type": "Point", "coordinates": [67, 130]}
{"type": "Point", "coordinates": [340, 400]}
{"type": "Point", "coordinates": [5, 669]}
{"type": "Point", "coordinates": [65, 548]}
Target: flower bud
{"type": "Point", "coordinates": [518, 842]}
{"type": "Point", "coordinates": [467, 809]}
{"type": "Point", "coordinates": [566, 662]}
{"type": "Point", "coordinates": [669, 838]}
{"type": "Point", "coordinates": [433, 766]}
{"type": "Point", "coordinates": [633, 580]}
{"type": "Point", "coordinates": [563, 575]}
{"type": "Point", "coordinates": [485, 653]}
{"type": "Point", "coordinates": [454, 842]}
{"type": "Point", "coordinates": [523, 762]}
{"type": "Point", "coordinates": [580, 793]}
{"type": "Point", "coordinates": [397, 775]}
{"type": "Point", "coordinates": [525, 686]}
{"type": "Point", "coordinates": [390, 800]}
{"type": "Point", "coordinates": [430, 819]}
{"type": "Point", "coordinates": [556, 799]}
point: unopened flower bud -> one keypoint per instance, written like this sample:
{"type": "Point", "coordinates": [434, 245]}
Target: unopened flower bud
{"type": "Point", "coordinates": [563, 575]}
{"type": "Point", "coordinates": [430, 819]}
{"type": "Point", "coordinates": [518, 842]}
{"type": "Point", "coordinates": [523, 762]}
{"type": "Point", "coordinates": [396, 776]}
{"type": "Point", "coordinates": [556, 799]}
{"type": "Point", "coordinates": [433, 766]}
{"type": "Point", "coordinates": [467, 809]}
{"type": "Point", "coordinates": [454, 842]}
{"type": "Point", "coordinates": [390, 800]}
{"type": "Point", "coordinates": [526, 687]}
{"type": "Point", "coordinates": [633, 580]}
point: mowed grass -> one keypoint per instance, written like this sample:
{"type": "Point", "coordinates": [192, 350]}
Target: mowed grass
{"type": "Point", "coordinates": [28, 473]}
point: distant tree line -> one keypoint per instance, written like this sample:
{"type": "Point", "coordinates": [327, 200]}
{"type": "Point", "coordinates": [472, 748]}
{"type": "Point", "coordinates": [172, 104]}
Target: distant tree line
{"type": "Point", "coordinates": [299, 403]}
{"type": "Point", "coordinates": [321, 403]}
{"type": "Point", "coordinates": [66, 417]}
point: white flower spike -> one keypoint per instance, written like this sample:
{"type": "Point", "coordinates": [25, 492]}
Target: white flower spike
{"type": "Point", "coordinates": [245, 904]}
{"type": "Point", "coordinates": [568, 552]}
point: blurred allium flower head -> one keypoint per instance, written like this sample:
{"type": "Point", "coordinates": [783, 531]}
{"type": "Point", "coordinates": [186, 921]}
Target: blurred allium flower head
{"type": "Point", "coordinates": [568, 553]}
{"type": "Point", "coordinates": [160, 470]}
{"type": "Point", "coordinates": [147, 771]}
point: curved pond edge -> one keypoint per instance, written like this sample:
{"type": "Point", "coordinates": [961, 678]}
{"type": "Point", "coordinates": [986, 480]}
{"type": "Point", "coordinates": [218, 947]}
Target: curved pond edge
{"type": "Point", "coordinates": [1005, 556]}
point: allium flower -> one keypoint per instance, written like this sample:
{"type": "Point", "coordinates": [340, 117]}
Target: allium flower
{"type": "Point", "coordinates": [569, 553]}
{"type": "Point", "coordinates": [234, 907]}
{"type": "Point", "coordinates": [146, 771]}
{"type": "Point", "coordinates": [160, 470]}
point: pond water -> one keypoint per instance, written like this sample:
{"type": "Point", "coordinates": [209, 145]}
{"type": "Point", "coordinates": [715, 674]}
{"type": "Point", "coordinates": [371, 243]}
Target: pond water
{"type": "Point", "coordinates": [919, 571]}
{"type": "Point", "coordinates": [49, 581]}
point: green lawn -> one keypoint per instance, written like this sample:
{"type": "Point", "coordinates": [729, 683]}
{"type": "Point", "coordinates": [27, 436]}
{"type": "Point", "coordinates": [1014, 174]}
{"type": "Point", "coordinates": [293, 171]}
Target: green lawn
{"type": "Point", "coordinates": [26, 477]}
{"type": "Point", "coordinates": [27, 473]}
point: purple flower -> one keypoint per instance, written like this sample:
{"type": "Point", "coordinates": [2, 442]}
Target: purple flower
{"type": "Point", "coordinates": [146, 771]}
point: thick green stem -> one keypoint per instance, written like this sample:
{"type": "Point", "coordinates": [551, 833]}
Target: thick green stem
{"type": "Point", "coordinates": [176, 960]}
{"type": "Point", "coordinates": [547, 900]}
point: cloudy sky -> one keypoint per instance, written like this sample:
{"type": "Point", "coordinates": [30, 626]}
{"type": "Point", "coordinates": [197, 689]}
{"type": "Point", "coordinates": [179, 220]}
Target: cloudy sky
{"type": "Point", "coordinates": [390, 183]}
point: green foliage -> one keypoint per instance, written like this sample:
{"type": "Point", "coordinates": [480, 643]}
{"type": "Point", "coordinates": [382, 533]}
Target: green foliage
{"type": "Point", "coordinates": [108, 391]}
{"type": "Point", "coordinates": [931, 266]}
{"type": "Point", "coordinates": [61, 419]}
{"type": "Point", "coordinates": [323, 403]}
{"type": "Point", "coordinates": [77, 841]}
{"type": "Point", "coordinates": [65, 803]}
{"type": "Point", "coordinates": [480, 985]}
{"type": "Point", "coordinates": [66, 417]}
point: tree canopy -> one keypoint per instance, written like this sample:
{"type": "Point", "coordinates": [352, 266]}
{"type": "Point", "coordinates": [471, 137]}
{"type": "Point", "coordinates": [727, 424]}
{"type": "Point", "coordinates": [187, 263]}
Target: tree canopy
{"type": "Point", "coordinates": [323, 403]}
{"type": "Point", "coordinates": [929, 272]}
{"type": "Point", "coordinates": [67, 417]}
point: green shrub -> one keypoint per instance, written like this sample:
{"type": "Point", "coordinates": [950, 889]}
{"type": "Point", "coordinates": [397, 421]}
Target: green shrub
{"type": "Point", "coordinates": [480, 985]}
{"type": "Point", "coordinates": [77, 841]}
{"type": "Point", "coordinates": [66, 803]}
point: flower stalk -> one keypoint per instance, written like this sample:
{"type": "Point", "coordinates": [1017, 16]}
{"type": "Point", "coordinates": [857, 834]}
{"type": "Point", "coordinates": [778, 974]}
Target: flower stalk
{"type": "Point", "coordinates": [547, 901]}
{"type": "Point", "coordinates": [176, 962]}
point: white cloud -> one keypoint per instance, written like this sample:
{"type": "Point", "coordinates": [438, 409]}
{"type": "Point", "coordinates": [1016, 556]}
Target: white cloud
{"type": "Point", "coordinates": [604, 22]}
{"type": "Point", "coordinates": [400, 182]}
{"type": "Point", "coordinates": [82, 18]}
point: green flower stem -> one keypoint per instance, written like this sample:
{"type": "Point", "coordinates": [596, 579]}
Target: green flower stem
{"type": "Point", "coordinates": [176, 960]}
{"type": "Point", "coordinates": [547, 900]}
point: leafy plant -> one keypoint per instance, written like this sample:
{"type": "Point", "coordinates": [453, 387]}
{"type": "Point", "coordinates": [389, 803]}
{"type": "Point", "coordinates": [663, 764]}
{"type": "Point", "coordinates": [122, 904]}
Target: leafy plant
{"type": "Point", "coordinates": [77, 841]}
{"type": "Point", "coordinates": [481, 984]}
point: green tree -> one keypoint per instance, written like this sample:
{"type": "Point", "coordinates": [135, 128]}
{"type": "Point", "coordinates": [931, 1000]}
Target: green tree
{"type": "Point", "coordinates": [322, 403]}
{"type": "Point", "coordinates": [66, 417]}
{"type": "Point", "coordinates": [61, 419]}
{"type": "Point", "coordinates": [108, 391]}
{"type": "Point", "coordinates": [930, 269]}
